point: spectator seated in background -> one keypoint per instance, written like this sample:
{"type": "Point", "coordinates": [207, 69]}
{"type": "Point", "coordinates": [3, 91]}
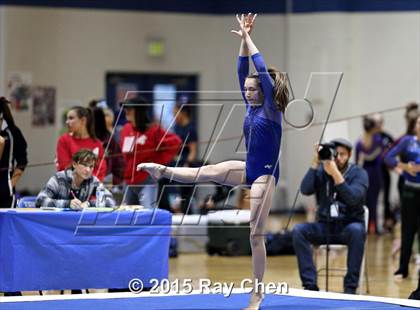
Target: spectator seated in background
{"type": "Point", "coordinates": [340, 189]}
{"type": "Point", "coordinates": [74, 188]}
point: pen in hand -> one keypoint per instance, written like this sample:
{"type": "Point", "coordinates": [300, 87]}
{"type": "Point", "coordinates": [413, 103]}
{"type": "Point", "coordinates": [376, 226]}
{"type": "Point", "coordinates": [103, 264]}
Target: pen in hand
{"type": "Point", "coordinates": [75, 203]}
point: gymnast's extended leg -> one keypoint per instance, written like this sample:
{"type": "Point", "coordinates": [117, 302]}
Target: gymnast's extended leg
{"type": "Point", "coordinates": [230, 173]}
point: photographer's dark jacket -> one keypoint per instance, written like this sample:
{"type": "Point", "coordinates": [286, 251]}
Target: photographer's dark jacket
{"type": "Point", "coordinates": [350, 195]}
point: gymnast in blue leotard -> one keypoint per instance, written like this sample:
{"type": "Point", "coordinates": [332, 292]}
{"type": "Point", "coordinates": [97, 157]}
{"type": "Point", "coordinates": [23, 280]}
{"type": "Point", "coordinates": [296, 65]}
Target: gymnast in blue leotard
{"type": "Point", "coordinates": [266, 96]}
{"type": "Point", "coordinates": [262, 125]}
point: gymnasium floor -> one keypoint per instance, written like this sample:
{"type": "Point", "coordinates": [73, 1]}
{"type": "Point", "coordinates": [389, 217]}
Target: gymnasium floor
{"type": "Point", "coordinates": [284, 268]}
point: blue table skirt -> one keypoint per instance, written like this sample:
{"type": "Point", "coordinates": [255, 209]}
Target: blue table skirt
{"type": "Point", "coordinates": [76, 250]}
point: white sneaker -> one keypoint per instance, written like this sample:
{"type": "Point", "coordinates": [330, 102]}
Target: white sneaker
{"type": "Point", "coordinates": [155, 170]}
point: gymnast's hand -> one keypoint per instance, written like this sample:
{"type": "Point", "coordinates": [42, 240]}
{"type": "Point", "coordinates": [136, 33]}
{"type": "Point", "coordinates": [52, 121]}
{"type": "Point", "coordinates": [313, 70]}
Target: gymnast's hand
{"type": "Point", "coordinates": [246, 23]}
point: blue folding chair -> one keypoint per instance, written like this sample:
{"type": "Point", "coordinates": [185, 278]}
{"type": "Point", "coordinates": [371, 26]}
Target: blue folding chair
{"type": "Point", "coordinates": [26, 202]}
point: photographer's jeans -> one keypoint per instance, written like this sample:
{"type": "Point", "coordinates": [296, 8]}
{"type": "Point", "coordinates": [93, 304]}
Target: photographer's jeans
{"type": "Point", "coordinates": [353, 235]}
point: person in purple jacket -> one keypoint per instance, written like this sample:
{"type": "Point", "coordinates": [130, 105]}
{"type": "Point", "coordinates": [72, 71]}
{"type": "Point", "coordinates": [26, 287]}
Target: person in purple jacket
{"type": "Point", "coordinates": [266, 96]}
{"type": "Point", "coordinates": [409, 150]}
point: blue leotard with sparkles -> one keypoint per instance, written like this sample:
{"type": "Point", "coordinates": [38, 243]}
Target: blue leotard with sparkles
{"type": "Point", "coordinates": [262, 125]}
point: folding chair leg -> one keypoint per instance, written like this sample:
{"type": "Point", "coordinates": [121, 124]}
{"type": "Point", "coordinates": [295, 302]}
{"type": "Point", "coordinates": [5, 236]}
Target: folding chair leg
{"type": "Point", "coordinates": [367, 279]}
{"type": "Point", "coordinates": [364, 274]}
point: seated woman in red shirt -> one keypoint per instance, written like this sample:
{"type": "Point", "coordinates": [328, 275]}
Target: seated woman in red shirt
{"type": "Point", "coordinates": [143, 141]}
{"type": "Point", "coordinates": [80, 135]}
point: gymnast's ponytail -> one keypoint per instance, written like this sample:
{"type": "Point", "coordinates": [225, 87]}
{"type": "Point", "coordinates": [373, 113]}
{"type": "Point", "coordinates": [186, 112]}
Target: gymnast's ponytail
{"type": "Point", "coordinates": [281, 90]}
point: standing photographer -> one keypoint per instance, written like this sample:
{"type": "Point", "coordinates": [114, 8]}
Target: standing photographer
{"type": "Point", "coordinates": [340, 189]}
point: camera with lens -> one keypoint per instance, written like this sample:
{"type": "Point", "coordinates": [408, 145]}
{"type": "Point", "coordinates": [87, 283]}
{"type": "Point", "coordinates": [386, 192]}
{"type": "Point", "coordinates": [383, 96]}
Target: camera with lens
{"type": "Point", "coordinates": [327, 151]}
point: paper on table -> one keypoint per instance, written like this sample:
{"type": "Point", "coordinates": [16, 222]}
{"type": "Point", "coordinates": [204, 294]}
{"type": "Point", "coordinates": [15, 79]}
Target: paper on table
{"type": "Point", "coordinates": [131, 207]}
{"type": "Point", "coordinates": [52, 209]}
{"type": "Point", "coordinates": [19, 209]}
{"type": "Point", "coordinates": [99, 209]}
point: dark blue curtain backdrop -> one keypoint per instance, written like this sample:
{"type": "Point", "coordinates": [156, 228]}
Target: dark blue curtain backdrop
{"type": "Point", "coordinates": [231, 6]}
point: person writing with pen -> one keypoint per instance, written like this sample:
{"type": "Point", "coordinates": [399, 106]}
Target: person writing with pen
{"type": "Point", "coordinates": [75, 188]}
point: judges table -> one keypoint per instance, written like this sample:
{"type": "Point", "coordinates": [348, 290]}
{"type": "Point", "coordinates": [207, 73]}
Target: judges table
{"type": "Point", "coordinates": [50, 250]}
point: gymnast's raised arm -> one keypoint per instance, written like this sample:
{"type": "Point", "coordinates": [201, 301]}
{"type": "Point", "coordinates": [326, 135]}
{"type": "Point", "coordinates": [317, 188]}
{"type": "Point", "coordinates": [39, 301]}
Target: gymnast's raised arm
{"type": "Point", "coordinates": [243, 62]}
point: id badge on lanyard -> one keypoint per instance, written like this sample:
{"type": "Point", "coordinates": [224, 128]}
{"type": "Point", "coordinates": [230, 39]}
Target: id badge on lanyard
{"type": "Point", "coordinates": [334, 211]}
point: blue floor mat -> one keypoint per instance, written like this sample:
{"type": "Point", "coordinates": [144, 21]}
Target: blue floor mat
{"type": "Point", "coordinates": [202, 302]}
